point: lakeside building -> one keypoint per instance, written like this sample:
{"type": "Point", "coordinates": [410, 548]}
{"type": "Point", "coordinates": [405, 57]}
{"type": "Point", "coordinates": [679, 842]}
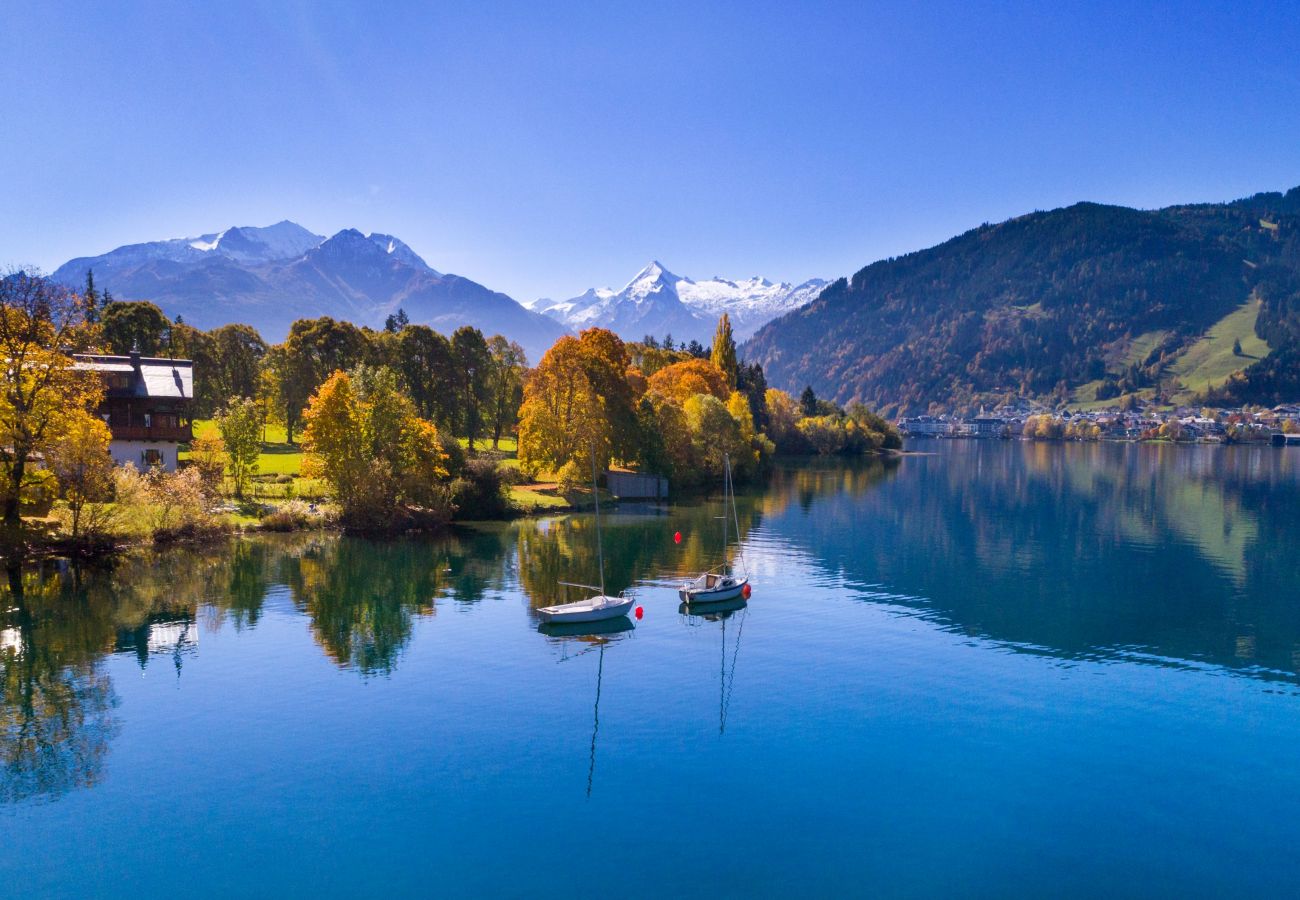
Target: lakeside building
{"type": "Point", "coordinates": [147, 403]}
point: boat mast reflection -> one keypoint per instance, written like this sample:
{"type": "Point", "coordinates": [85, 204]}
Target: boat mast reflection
{"type": "Point", "coordinates": [695, 615]}
{"type": "Point", "coordinates": [596, 636]}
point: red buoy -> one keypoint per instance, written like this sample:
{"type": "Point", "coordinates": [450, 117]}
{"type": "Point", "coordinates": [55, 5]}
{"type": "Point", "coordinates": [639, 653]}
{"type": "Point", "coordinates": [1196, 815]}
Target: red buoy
{"type": "Point", "coordinates": [677, 537]}
{"type": "Point", "coordinates": [745, 592]}
{"type": "Point", "coordinates": [639, 613]}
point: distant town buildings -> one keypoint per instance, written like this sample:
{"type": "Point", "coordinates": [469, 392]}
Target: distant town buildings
{"type": "Point", "coordinates": [146, 406]}
{"type": "Point", "coordinates": [1182, 424]}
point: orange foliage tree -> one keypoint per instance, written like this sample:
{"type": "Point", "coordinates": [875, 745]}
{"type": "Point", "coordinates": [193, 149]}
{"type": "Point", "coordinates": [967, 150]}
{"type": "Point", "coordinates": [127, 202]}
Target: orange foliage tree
{"type": "Point", "coordinates": [681, 381]}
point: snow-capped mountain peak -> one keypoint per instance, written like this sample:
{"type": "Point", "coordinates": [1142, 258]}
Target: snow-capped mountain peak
{"type": "Point", "coordinates": [658, 302]}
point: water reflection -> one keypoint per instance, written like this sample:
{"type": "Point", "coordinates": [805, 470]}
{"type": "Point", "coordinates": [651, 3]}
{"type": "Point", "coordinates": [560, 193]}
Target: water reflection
{"type": "Point", "coordinates": [1164, 555]}
{"type": "Point", "coordinates": [587, 637]}
{"type": "Point", "coordinates": [1096, 551]}
{"type": "Point", "coordinates": [701, 614]}
{"type": "Point", "coordinates": [57, 707]}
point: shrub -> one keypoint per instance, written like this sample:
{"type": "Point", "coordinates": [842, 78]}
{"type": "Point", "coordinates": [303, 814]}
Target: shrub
{"type": "Point", "coordinates": [295, 515]}
{"type": "Point", "coordinates": [480, 492]}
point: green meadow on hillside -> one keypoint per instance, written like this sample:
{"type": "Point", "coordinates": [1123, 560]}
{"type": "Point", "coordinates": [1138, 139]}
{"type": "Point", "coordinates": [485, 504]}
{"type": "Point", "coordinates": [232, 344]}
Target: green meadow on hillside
{"type": "Point", "coordinates": [1208, 362]}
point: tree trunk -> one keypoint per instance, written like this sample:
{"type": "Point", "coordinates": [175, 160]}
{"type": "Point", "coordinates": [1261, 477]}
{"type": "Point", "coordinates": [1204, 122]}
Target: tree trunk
{"type": "Point", "coordinates": [13, 499]}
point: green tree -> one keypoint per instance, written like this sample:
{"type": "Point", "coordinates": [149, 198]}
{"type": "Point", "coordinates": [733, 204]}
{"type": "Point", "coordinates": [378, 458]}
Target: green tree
{"type": "Point", "coordinates": [240, 424]}
{"type": "Point", "coordinates": [134, 325]}
{"type": "Point", "coordinates": [808, 402]}
{"type": "Point", "coordinates": [396, 321]}
{"type": "Point", "coordinates": [473, 365]}
{"type": "Point", "coordinates": [428, 373]}
{"type": "Point", "coordinates": [314, 349]}
{"type": "Point", "coordinates": [91, 298]}
{"type": "Point", "coordinates": [724, 352]}
{"type": "Point", "coordinates": [505, 385]}
{"type": "Point", "coordinates": [237, 352]}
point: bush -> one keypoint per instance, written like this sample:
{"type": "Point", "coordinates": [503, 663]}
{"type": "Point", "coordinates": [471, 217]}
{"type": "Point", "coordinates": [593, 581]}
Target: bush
{"type": "Point", "coordinates": [480, 492]}
{"type": "Point", "coordinates": [295, 515]}
{"type": "Point", "coordinates": [161, 505]}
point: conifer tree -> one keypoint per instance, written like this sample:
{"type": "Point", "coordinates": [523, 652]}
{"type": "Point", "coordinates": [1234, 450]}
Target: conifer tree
{"type": "Point", "coordinates": [724, 352]}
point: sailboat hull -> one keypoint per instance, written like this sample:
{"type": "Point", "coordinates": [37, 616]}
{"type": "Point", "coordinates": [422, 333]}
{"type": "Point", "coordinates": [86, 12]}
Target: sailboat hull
{"type": "Point", "coordinates": [722, 590]}
{"type": "Point", "coordinates": [593, 609]}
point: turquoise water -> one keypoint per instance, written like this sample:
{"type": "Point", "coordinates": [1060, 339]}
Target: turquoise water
{"type": "Point", "coordinates": [995, 668]}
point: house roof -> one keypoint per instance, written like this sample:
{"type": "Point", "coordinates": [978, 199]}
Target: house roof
{"type": "Point", "coordinates": [154, 376]}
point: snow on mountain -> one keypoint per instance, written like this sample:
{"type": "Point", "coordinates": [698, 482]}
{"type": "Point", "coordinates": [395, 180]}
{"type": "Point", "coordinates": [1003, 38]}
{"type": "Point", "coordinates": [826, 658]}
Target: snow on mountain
{"type": "Point", "coordinates": [658, 302]}
{"type": "Point", "coordinates": [270, 277]}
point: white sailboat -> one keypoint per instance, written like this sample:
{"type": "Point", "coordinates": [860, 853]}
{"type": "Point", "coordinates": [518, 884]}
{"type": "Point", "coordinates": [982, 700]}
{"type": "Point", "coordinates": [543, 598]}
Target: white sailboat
{"type": "Point", "coordinates": [722, 583]}
{"type": "Point", "coordinates": [599, 606]}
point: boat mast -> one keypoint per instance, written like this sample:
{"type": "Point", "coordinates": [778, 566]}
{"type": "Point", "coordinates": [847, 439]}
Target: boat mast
{"type": "Point", "coordinates": [736, 520]}
{"type": "Point", "coordinates": [595, 493]}
{"type": "Point", "coordinates": [726, 477]}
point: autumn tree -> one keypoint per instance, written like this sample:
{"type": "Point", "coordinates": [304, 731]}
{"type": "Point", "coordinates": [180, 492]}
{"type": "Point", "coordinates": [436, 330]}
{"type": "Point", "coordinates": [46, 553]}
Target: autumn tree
{"type": "Point", "coordinates": [680, 381]}
{"type": "Point", "coordinates": [208, 456]}
{"type": "Point", "coordinates": [82, 464]}
{"type": "Point", "coordinates": [723, 355]}
{"type": "Point", "coordinates": [379, 457]}
{"type": "Point", "coordinates": [783, 415]}
{"type": "Point", "coordinates": [43, 394]}
{"type": "Point", "coordinates": [578, 398]}
{"type": "Point", "coordinates": [240, 424]}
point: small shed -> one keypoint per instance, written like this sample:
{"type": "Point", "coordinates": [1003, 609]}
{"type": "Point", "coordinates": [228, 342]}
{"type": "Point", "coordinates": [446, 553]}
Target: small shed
{"type": "Point", "coordinates": [636, 486]}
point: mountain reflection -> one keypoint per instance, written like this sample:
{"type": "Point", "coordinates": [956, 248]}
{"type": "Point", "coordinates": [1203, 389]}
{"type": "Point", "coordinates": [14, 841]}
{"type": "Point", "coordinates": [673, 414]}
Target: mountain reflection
{"type": "Point", "coordinates": [1078, 551]}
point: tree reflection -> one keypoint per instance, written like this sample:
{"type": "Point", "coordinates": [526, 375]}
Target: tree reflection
{"type": "Point", "coordinates": [56, 704]}
{"type": "Point", "coordinates": [362, 596]}
{"type": "Point", "coordinates": [638, 543]}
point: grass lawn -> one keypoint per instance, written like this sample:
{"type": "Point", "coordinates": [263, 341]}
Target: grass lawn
{"type": "Point", "coordinates": [531, 499]}
{"type": "Point", "coordinates": [1210, 360]}
{"type": "Point", "coordinates": [279, 457]}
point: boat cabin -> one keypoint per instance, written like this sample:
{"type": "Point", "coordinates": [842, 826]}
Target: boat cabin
{"type": "Point", "coordinates": [146, 406]}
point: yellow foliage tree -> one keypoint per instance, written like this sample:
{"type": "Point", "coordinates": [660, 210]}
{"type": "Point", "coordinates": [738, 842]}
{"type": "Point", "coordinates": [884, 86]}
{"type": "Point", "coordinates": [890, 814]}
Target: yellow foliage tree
{"type": "Point", "coordinates": [367, 442]}
{"type": "Point", "coordinates": [81, 463]}
{"type": "Point", "coordinates": [43, 393]}
{"type": "Point", "coordinates": [578, 398]}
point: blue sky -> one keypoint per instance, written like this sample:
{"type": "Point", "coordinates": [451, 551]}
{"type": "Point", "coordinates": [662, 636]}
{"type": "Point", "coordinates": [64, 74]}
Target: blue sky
{"type": "Point", "coordinates": [545, 148]}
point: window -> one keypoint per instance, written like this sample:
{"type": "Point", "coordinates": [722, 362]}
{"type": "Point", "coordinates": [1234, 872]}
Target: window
{"type": "Point", "coordinates": [153, 458]}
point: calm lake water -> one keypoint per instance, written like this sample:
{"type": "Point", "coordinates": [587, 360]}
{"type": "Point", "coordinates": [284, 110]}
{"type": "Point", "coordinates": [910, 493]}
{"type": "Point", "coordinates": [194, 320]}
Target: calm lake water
{"type": "Point", "coordinates": [997, 668]}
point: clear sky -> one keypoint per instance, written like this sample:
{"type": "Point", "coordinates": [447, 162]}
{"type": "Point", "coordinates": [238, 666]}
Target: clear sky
{"type": "Point", "coordinates": [543, 148]}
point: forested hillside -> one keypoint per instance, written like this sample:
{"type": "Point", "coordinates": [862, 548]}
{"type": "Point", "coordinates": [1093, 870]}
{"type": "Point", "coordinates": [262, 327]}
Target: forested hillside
{"type": "Point", "coordinates": [1079, 304]}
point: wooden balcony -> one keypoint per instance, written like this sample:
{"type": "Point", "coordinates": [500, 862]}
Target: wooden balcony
{"type": "Point", "coordinates": [179, 433]}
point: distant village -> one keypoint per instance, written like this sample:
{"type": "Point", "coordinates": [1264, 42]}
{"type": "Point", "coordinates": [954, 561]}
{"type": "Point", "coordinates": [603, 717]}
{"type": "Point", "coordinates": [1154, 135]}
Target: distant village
{"type": "Point", "coordinates": [1279, 425]}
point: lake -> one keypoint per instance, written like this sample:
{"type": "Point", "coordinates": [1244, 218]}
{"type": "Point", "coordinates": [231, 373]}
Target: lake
{"type": "Point", "coordinates": [992, 668]}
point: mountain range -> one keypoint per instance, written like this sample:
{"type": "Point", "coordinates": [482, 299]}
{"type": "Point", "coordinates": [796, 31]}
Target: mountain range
{"type": "Point", "coordinates": [1074, 305]}
{"type": "Point", "coordinates": [269, 277]}
{"type": "Point", "coordinates": [657, 302]}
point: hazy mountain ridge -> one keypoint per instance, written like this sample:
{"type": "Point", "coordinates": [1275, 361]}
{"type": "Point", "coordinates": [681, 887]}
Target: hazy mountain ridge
{"type": "Point", "coordinates": [659, 302]}
{"type": "Point", "coordinates": [269, 277]}
{"type": "Point", "coordinates": [1040, 304]}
